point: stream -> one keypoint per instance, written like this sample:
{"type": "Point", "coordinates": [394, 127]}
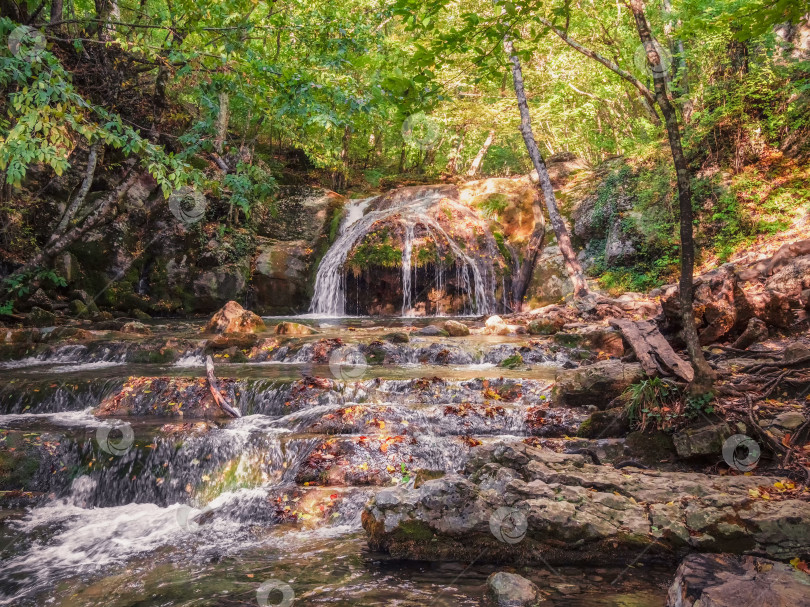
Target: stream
{"type": "Point", "coordinates": [154, 510]}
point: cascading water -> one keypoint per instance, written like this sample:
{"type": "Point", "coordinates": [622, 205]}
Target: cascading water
{"type": "Point", "coordinates": [407, 282]}
{"type": "Point", "coordinates": [476, 278]}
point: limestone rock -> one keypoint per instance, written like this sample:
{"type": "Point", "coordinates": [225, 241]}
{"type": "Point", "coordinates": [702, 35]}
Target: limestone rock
{"type": "Point", "coordinates": [619, 247]}
{"type": "Point", "coordinates": [456, 329]}
{"type": "Point", "coordinates": [723, 580]}
{"type": "Point", "coordinates": [397, 337]}
{"type": "Point", "coordinates": [595, 384]}
{"type": "Point", "coordinates": [511, 590]}
{"type": "Point", "coordinates": [41, 300]}
{"type": "Point", "coordinates": [294, 328]}
{"type": "Point", "coordinates": [217, 286]}
{"type": "Point", "coordinates": [522, 504]}
{"type": "Point", "coordinates": [432, 330]}
{"type": "Point", "coordinates": [233, 318]}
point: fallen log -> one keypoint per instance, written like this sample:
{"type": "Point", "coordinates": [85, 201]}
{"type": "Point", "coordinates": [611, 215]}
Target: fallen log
{"type": "Point", "coordinates": [652, 350]}
{"type": "Point", "coordinates": [213, 385]}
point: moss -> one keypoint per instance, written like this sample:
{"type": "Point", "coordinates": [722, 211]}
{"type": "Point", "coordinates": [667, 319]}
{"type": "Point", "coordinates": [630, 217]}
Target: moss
{"type": "Point", "coordinates": [512, 362]}
{"type": "Point", "coordinates": [542, 327]}
{"type": "Point", "coordinates": [422, 476]}
{"type": "Point", "coordinates": [414, 530]}
{"type": "Point", "coordinates": [569, 340]}
{"type": "Point", "coordinates": [398, 337]}
{"type": "Point", "coordinates": [375, 250]}
{"type": "Point", "coordinates": [501, 242]}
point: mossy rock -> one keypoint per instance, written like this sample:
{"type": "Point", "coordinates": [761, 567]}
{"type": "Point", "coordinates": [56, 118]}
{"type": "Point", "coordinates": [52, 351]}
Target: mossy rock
{"type": "Point", "coordinates": [542, 327]}
{"type": "Point", "coordinates": [570, 340]}
{"type": "Point", "coordinates": [512, 362]}
{"type": "Point", "coordinates": [610, 423]}
{"type": "Point", "coordinates": [398, 337]}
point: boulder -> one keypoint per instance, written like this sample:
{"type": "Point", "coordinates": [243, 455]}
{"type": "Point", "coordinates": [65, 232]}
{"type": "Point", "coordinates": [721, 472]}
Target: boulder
{"type": "Point", "coordinates": [397, 337]}
{"type": "Point", "coordinates": [281, 276]}
{"type": "Point", "coordinates": [217, 286]}
{"type": "Point", "coordinates": [511, 590]}
{"type": "Point", "coordinates": [495, 325]}
{"type": "Point", "coordinates": [294, 328]}
{"type": "Point", "coordinates": [595, 384]}
{"type": "Point", "coordinates": [41, 318]}
{"type": "Point", "coordinates": [619, 247]}
{"type": "Point", "coordinates": [550, 283]}
{"type": "Point", "coordinates": [608, 423]}
{"type": "Point", "coordinates": [520, 504]}
{"type": "Point", "coordinates": [704, 440]}
{"type": "Point", "coordinates": [456, 329]}
{"type": "Point", "coordinates": [233, 318]}
{"type": "Point", "coordinates": [724, 580]}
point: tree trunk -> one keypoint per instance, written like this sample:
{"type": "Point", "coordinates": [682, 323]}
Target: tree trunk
{"type": "Point", "coordinates": [452, 163]}
{"type": "Point", "coordinates": [704, 375]}
{"type": "Point", "coordinates": [78, 200]}
{"type": "Point", "coordinates": [54, 247]}
{"type": "Point", "coordinates": [222, 122]}
{"type": "Point", "coordinates": [680, 74]}
{"type": "Point", "coordinates": [479, 158]}
{"type": "Point", "coordinates": [558, 225]}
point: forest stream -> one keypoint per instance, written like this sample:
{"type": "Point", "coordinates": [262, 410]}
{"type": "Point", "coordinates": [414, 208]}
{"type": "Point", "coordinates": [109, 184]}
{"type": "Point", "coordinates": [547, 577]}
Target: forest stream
{"type": "Point", "coordinates": [190, 517]}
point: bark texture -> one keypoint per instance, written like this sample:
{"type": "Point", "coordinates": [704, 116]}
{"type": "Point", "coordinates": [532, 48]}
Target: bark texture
{"type": "Point", "coordinates": [572, 266]}
{"type": "Point", "coordinates": [704, 376]}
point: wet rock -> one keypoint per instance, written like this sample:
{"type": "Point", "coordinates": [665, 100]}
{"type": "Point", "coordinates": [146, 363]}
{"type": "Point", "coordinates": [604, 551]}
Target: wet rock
{"type": "Point", "coordinates": [432, 330]}
{"type": "Point", "coordinates": [137, 328]}
{"type": "Point", "coordinates": [397, 337]}
{"type": "Point", "coordinates": [41, 318]}
{"type": "Point", "coordinates": [233, 318]}
{"type": "Point", "coordinates": [165, 397]}
{"type": "Point", "coordinates": [705, 440]}
{"type": "Point", "coordinates": [511, 590]}
{"type": "Point", "coordinates": [140, 314]}
{"type": "Point", "coordinates": [723, 580]}
{"type": "Point", "coordinates": [595, 384]}
{"type": "Point", "coordinates": [521, 504]}
{"type": "Point", "coordinates": [565, 588]}
{"type": "Point", "coordinates": [232, 340]}
{"type": "Point", "coordinates": [294, 328]}
{"type": "Point", "coordinates": [456, 329]}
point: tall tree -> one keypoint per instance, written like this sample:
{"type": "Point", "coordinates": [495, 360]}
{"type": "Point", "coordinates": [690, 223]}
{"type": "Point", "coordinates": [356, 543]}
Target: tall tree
{"type": "Point", "coordinates": [572, 265]}
{"type": "Point", "coordinates": [704, 375]}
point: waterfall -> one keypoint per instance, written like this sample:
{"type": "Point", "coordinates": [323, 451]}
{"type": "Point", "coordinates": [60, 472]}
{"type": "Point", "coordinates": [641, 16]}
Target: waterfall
{"type": "Point", "coordinates": [407, 282]}
{"type": "Point", "coordinates": [329, 297]}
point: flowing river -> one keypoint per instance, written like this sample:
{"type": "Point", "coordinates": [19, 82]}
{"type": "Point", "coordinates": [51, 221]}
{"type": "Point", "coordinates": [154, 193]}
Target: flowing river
{"type": "Point", "coordinates": [152, 509]}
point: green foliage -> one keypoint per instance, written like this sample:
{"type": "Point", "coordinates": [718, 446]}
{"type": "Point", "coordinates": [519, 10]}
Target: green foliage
{"type": "Point", "coordinates": [19, 285]}
{"type": "Point", "coordinates": [249, 185]}
{"type": "Point", "coordinates": [652, 403]}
